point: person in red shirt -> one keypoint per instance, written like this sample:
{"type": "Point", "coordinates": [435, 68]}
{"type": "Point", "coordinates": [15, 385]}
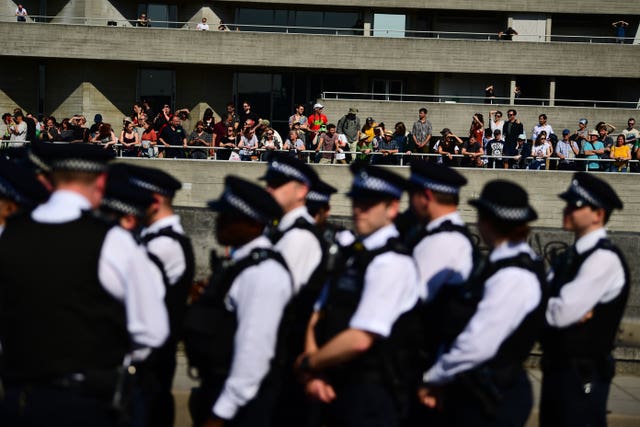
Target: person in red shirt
{"type": "Point", "coordinates": [317, 119]}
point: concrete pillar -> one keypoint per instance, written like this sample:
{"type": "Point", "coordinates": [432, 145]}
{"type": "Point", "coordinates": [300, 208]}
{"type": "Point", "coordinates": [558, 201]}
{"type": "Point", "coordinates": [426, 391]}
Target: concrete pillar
{"type": "Point", "coordinates": [512, 89]}
{"type": "Point", "coordinates": [552, 91]}
{"type": "Point", "coordinates": [547, 30]}
{"type": "Point", "coordinates": [368, 23]}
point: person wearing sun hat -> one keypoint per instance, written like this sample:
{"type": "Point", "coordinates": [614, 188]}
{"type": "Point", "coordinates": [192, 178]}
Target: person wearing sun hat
{"type": "Point", "coordinates": [588, 294]}
{"type": "Point", "coordinates": [480, 375]}
{"type": "Point", "coordinates": [349, 360]}
{"type": "Point", "coordinates": [240, 386]}
{"type": "Point", "coordinates": [84, 299]}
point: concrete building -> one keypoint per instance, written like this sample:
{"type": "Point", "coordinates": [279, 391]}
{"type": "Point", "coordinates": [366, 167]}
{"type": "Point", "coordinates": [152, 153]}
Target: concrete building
{"type": "Point", "coordinates": [87, 56]}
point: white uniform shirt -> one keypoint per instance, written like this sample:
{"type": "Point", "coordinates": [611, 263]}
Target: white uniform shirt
{"type": "Point", "coordinates": [299, 248]}
{"type": "Point", "coordinates": [258, 296]}
{"type": "Point", "coordinates": [124, 270]}
{"type": "Point", "coordinates": [509, 296]}
{"type": "Point", "coordinates": [168, 250]}
{"type": "Point", "coordinates": [390, 286]}
{"type": "Point", "coordinates": [599, 280]}
{"type": "Point", "coordinates": [445, 257]}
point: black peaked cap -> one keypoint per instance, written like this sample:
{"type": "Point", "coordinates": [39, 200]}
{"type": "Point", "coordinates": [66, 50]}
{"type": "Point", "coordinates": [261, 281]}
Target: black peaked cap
{"type": "Point", "coordinates": [153, 180]}
{"type": "Point", "coordinates": [19, 183]}
{"type": "Point", "coordinates": [284, 168]}
{"type": "Point", "coordinates": [373, 183]}
{"type": "Point", "coordinates": [75, 157]}
{"type": "Point", "coordinates": [242, 197]}
{"type": "Point", "coordinates": [505, 201]}
{"type": "Point", "coordinates": [587, 189]}
{"type": "Point", "coordinates": [436, 177]}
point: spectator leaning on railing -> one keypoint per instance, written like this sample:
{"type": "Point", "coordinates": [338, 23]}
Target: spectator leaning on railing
{"type": "Point", "coordinates": [621, 154]}
{"type": "Point", "coordinates": [593, 150]}
{"type": "Point", "coordinates": [567, 150]}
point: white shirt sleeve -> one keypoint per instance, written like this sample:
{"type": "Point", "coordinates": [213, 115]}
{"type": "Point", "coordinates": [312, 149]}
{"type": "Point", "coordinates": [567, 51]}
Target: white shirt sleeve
{"type": "Point", "coordinates": [302, 253]}
{"type": "Point", "coordinates": [445, 257]}
{"type": "Point", "coordinates": [125, 271]}
{"type": "Point", "coordinates": [599, 279]}
{"type": "Point", "coordinates": [390, 289]}
{"type": "Point", "coordinates": [259, 295]}
{"type": "Point", "coordinates": [509, 296]}
{"type": "Point", "coordinates": [170, 253]}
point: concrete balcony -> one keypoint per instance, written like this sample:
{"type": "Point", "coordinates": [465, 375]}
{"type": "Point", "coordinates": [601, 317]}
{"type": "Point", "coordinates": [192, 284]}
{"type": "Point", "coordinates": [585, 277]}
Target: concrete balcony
{"type": "Point", "coordinates": [301, 51]}
{"type": "Point", "coordinates": [546, 6]}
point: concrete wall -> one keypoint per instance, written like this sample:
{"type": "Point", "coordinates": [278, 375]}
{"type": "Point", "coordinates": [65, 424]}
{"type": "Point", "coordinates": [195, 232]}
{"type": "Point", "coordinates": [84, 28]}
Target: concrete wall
{"type": "Point", "coordinates": [268, 49]}
{"type": "Point", "coordinates": [548, 6]}
{"type": "Point", "coordinates": [457, 117]}
{"type": "Point", "coordinates": [204, 180]}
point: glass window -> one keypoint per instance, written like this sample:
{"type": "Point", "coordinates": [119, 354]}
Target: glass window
{"type": "Point", "coordinates": [387, 25]}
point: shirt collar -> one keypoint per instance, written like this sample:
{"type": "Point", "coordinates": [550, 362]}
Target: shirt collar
{"type": "Point", "coordinates": [172, 221]}
{"type": "Point", "coordinates": [589, 240]}
{"type": "Point", "coordinates": [62, 206]}
{"type": "Point", "coordinates": [379, 238]}
{"type": "Point", "coordinates": [454, 217]}
{"type": "Point", "coordinates": [244, 250]}
{"type": "Point", "coordinates": [290, 217]}
{"type": "Point", "coordinates": [510, 250]}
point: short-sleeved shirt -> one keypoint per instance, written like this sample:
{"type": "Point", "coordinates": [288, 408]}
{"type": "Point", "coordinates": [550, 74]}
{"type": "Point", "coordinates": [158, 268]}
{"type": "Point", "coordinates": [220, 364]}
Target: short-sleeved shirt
{"type": "Point", "coordinates": [421, 129]}
{"type": "Point", "coordinates": [173, 136]}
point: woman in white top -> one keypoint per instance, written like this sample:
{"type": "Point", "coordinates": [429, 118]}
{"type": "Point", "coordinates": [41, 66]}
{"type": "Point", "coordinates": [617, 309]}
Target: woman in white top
{"type": "Point", "coordinates": [495, 120]}
{"type": "Point", "coordinates": [540, 151]}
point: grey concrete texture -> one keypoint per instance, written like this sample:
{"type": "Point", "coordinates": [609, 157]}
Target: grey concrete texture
{"type": "Point", "coordinates": [458, 116]}
{"type": "Point", "coordinates": [269, 49]}
{"type": "Point", "coordinates": [546, 6]}
{"type": "Point", "coordinates": [203, 180]}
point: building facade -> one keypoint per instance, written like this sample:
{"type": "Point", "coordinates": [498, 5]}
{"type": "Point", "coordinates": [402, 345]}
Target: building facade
{"type": "Point", "coordinates": [88, 56]}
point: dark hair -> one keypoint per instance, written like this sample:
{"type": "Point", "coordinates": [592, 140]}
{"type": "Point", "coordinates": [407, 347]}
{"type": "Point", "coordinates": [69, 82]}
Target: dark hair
{"type": "Point", "coordinates": [231, 104]}
{"type": "Point", "coordinates": [512, 231]}
{"type": "Point", "coordinates": [511, 110]}
{"type": "Point", "coordinates": [423, 110]}
{"type": "Point", "coordinates": [544, 116]}
{"type": "Point", "coordinates": [208, 113]}
{"type": "Point", "coordinates": [538, 140]}
{"type": "Point", "coordinates": [401, 128]}
{"type": "Point", "coordinates": [446, 198]}
{"type": "Point", "coordinates": [499, 112]}
{"type": "Point", "coordinates": [331, 126]}
{"type": "Point", "coordinates": [299, 105]}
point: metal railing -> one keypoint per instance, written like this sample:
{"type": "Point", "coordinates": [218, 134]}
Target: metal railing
{"type": "Point", "coordinates": [471, 99]}
{"type": "Point", "coordinates": [337, 31]}
{"type": "Point", "coordinates": [256, 154]}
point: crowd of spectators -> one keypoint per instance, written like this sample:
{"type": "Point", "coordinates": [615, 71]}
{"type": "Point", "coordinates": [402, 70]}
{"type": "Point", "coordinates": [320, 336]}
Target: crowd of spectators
{"type": "Point", "coordinates": [494, 142]}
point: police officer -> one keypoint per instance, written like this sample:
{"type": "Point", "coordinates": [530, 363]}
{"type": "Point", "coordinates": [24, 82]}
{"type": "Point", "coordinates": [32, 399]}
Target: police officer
{"type": "Point", "coordinates": [589, 291]}
{"type": "Point", "coordinates": [354, 353]}
{"type": "Point", "coordinates": [19, 190]}
{"type": "Point", "coordinates": [171, 250]}
{"type": "Point", "coordinates": [77, 296]}
{"type": "Point", "coordinates": [250, 298]}
{"type": "Point", "coordinates": [318, 202]}
{"type": "Point", "coordinates": [498, 315]}
{"type": "Point", "coordinates": [124, 204]}
{"type": "Point", "coordinates": [289, 181]}
{"type": "Point", "coordinates": [444, 252]}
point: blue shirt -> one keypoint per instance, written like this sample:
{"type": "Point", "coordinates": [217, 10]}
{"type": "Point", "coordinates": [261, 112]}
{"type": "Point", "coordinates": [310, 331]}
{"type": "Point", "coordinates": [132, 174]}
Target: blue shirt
{"type": "Point", "coordinates": [588, 146]}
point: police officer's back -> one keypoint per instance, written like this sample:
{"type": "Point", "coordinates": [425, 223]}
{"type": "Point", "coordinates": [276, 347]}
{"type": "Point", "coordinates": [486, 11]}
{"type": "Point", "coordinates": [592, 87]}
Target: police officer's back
{"type": "Point", "coordinates": [77, 299]}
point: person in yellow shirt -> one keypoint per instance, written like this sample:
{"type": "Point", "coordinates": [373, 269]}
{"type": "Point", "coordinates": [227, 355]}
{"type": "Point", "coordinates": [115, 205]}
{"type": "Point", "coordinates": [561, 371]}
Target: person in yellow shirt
{"type": "Point", "coordinates": [621, 154]}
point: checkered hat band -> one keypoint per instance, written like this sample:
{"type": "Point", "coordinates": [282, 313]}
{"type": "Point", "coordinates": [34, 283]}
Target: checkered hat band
{"type": "Point", "coordinates": [289, 171]}
{"type": "Point", "coordinates": [509, 213]}
{"type": "Point", "coordinates": [583, 193]}
{"type": "Point", "coordinates": [241, 205]}
{"type": "Point", "coordinates": [7, 190]}
{"type": "Point", "coordinates": [146, 185]}
{"type": "Point", "coordinates": [367, 182]}
{"type": "Point", "coordinates": [314, 196]}
{"type": "Point", "coordinates": [434, 185]}
{"type": "Point", "coordinates": [81, 165]}
{"type": "Point", "coordinates": [38, 162]}
{"type": "Point", "coordinates": [122, 207]}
